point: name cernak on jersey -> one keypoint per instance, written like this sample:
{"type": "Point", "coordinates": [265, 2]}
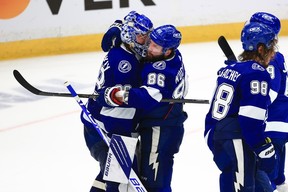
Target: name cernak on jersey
{"type": "Point", "coordinates": [229, 74]}
{"type": "Point", "coordinates": [180, 74]}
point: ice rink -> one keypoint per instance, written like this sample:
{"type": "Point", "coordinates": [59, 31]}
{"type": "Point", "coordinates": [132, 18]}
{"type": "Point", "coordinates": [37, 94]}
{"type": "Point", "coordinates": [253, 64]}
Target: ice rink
{"type": "Point", "coordinates": [41, 141]}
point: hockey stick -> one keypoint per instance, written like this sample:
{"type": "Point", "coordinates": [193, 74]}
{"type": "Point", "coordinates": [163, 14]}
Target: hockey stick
{"type": "Point", "coordinates": [36, 91]}
{"type": "Point", "coordinates": [133, 179]}
{"type": "Point", "coordinates": [225, 47]}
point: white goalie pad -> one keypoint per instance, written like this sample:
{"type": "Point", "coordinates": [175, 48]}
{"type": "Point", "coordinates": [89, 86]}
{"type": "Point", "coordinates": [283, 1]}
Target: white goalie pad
{"type": "Point", "coordinates": [121, 153]}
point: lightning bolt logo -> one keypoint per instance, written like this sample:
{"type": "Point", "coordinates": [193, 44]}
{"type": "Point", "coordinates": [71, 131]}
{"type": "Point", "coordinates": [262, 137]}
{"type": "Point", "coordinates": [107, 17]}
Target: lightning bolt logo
{"type": "Point", "coordinates": [153, 154]}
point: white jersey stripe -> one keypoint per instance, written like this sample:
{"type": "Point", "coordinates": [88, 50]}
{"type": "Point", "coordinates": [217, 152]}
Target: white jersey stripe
{"type": "Point", "coordinates": [118, 112]}
{"type": "Point", "coordinates": [154, 93]}
{"type": "Point", "coordinates": [277, 126]}
{"type": "Point", "coordinates": [252, 112]}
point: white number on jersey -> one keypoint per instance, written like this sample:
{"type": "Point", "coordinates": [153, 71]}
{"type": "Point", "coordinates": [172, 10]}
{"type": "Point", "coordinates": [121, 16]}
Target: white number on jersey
{"type": "Point", "coordinates": [222, 101]}
{"type": "Point", "coordinates": [101, 75]}
{"type": "Point", "coordinates": [179, 92]}
{"type": "Point", "coordinates": [225, 93]}
{"type": "Point", "coordinates": [271, 70]}
{"type": "Point", "coordinates": [259, 87]}
{"type": "Point", "coordinates": [158, 79]}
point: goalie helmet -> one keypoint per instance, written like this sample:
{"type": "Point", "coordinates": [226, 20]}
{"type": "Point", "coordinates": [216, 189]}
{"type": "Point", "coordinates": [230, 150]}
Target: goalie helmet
{"type": "Point", "coordinates": [254, 34]}
{"type": "Point", "coordinates": [135, 24]}
{"type": "Point", "coordinates": [267, 19]}
{"type": "Point", "coordinates": [167, 36]}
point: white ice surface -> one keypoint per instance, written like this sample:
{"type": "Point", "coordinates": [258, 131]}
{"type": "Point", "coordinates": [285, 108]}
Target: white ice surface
{"type": "Point", "coordinates": [41, 138]}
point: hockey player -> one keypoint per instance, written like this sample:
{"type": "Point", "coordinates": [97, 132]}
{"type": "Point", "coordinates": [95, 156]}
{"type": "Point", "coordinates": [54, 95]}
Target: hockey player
{"type": "Point", "coordinates": [121, 68]}
{"type": "Point", "coordinates": [277, 121]}
{"type": "Point", "coordinates": [235, 123]}
{"type": "Point", "coordinates": [161, 124]}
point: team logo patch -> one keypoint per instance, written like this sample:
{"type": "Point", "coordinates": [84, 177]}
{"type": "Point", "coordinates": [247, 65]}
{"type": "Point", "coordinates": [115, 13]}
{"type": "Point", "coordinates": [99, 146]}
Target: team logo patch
{"type": "Point", "coordinates": [160, 65]}
{"type": "Point", "coordinates": [256, 66]}
{"type": "Point", "coordinates": [124, 66]}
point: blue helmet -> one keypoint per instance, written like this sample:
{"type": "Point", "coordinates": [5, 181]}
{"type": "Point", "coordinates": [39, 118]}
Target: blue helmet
{"type": "Point", "coordinates": [135, 24]}
{"type": "Point", "coordinates": [167, 36]}
{"type": "Point", "coordinates": [267, 19]}
{"type": "Point", "coordinates": [255, 33]}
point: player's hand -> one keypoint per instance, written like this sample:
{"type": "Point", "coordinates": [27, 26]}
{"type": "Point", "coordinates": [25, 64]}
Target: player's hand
{"type": "Point", "coordinates": [112, 37]}
{"type": "Point", "coordinates": [267, 156]}
{"type": "Point", "coordinates": [107, 97]}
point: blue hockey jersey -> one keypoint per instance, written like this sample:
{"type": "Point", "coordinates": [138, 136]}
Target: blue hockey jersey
{"type": "Point", "coordinates": [239, 105]}
{"type": "Point", "coordinates": [120, 68]}
{"type": "Point", "coordinates": [277, 121]}
{"type": "Point", "coordinates": [161, 79]}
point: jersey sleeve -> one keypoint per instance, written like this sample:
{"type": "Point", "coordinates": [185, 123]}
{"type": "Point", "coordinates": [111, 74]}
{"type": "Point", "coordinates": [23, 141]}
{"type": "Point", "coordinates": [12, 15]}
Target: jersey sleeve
{"type": "Point", "coordinates": [253, 107]}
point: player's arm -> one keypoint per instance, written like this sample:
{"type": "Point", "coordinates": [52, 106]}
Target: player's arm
{"type": "Point", "coordinates": [112, 37]}
{"type": "Point", "coordinates": [253, 107]}
{"type": "Point", "coordinates": [252, 115]}
{"type": "Point", "coordinates": [145, 97]}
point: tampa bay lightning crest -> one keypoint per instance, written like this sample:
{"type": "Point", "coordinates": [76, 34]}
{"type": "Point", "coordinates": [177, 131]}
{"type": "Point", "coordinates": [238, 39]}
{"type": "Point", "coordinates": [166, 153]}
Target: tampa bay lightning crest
{"type": "Point", "coordinates": [256, 66]}
{"type": "Point", "coordinates": [160, 65]}
{"type": "Point", "coordinates": [124, 66]}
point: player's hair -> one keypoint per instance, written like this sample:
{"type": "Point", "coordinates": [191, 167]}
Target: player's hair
{"type": "Point", "coordinates": [167, 36]}
{"type": "Point", "coordinates": [135, 24]}
{"type": "Point", "coordinates": [268, 19]}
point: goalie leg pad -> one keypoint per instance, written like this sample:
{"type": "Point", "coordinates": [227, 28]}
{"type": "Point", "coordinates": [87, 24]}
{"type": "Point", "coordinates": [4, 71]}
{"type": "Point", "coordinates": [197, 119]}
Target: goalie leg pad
{"type": "Point", "coordinates": [121, 150]}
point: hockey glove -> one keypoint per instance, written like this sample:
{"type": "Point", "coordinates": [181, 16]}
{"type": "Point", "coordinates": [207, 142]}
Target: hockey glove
{"type": "Point", "coordinates": [107, 97]}
{"type": "Point", "coordinates": [267, 156]}
{"type": "Point", "coordinates": [112, 37]}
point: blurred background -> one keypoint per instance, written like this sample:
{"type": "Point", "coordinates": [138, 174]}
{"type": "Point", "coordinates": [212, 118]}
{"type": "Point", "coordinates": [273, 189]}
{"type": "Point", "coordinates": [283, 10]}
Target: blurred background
{"type": "Point", "coordinates": [36, 27]}
{"type": "Point", "coordinates": [41, 138]}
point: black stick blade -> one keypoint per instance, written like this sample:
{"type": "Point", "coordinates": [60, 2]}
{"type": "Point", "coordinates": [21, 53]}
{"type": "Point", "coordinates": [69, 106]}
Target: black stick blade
{"type": "Point", "coordinates": [24, 83]}
{"type": "Point", "coordinates": [34, 90]}
{"type": "Point", "coordinates": [222, 42]}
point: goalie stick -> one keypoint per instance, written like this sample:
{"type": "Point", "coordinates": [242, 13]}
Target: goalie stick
{"type": "Point", "coordinates": [225, 47]}
{"type": "Point", "coordinates": [133, 179]}
{"type": "Point", "coordinates": [36, 91]}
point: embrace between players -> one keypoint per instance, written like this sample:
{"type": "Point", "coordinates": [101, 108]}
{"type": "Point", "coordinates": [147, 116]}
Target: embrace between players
{"type": "Point", "coordinates": [143, 66]}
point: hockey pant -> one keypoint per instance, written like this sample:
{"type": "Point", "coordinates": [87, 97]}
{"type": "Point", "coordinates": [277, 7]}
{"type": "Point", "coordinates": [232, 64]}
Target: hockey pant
{"type": "Point", "coordinates": [158, 146]}
{"type": "Point", "coordinates": [237, 164]}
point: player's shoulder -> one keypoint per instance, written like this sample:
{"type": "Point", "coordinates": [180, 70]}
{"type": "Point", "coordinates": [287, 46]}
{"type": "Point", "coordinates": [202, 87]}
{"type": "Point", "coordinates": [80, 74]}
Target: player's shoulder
{"type": "Point", "coordinates": [165, 66]}
{"type": "Point", "coordinates": [177, 58]}
{"type": "Point", "coordinates": [278, 61]}
{"type": "Point", "coordinates": [244, 70]}
{"type": "Point", "coordinates": [118, 51]}
{"type": "Point", "coordinates": [251, 68]}
{"type": "Point", "coordinates": [278, 56]}
{"type": "Point", "coordinates": [119, 56]}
